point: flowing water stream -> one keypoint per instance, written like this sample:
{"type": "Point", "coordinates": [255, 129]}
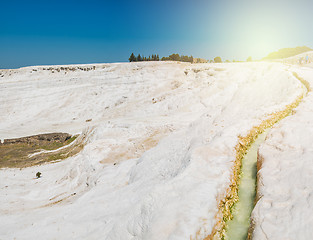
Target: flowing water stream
{"type": "Point", "coordinates": [237, 228]}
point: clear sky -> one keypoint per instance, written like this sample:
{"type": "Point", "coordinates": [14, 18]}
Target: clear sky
{"type": "Point", "coordinates": [65, 32]}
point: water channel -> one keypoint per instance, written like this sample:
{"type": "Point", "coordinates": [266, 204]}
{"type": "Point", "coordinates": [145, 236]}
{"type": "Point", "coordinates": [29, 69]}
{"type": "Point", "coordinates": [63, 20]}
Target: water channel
{"type": "Point", "coordinates": [237, 228]}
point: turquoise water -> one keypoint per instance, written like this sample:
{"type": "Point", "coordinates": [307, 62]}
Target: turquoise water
{"type": "Point", "coordinates": [237, 228]}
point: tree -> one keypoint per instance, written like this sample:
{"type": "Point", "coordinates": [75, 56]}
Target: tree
{"type": "Point", "coordinates": [184, 58]}
{"type": "Point", "coordinates": [217, 59]}
{"type": "Point", "coordinates": [157, 57]}
{"type": "Point", "coordinates": [165, 59]}
{"type": "Point", "coordinates": [139, 59]}
{"type": "Point", "coordinates": [174, 57]}
{"type": "Point", "coordinates": [132, 58]}
{"type": "Point", "coordinates": [249, 59]}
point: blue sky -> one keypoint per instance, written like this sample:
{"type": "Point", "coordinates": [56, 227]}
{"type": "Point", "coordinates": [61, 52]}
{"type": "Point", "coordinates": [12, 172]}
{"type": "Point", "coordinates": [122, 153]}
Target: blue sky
{"type": "Point", "coordinates": [64, 32]}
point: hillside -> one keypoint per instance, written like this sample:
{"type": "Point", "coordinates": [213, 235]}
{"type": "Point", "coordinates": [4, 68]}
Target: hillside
{"type": "Point", "coordinates": [287, 52]}
{"type": "Point", "coordinates": [159, 149]}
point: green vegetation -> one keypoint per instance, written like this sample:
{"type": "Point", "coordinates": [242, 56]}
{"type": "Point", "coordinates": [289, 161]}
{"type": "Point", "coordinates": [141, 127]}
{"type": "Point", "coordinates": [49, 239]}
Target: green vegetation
{"type": "Point", "coordinates": [217, 59]}
{"type": "Point", "coordinates": [287, 52]}
{"type": "Point", "coordinates": [282, 53]}
{"type": "Point", "coordinates": [304, 82]}
{"type": "Point", "coordinates": [132, 58]}
{"type": "Point", "coordinates": [173, 57]}
{"type": "Point", "coordinates": [155, 57]}
{"type": "Point", "coordinates": [177, 57]}
{"type": "Point", "coordinates": [139, 58]}
{"type": "Point", "coordinates": [55, 145]}
{"type": "Point", "coordinates": [71, 139]}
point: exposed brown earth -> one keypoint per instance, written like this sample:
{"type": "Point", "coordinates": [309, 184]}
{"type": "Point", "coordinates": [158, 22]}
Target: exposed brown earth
{"type": "Point", "coordinates": [48, 139]}
{"type": "Point", "coordinates": [17, 153]}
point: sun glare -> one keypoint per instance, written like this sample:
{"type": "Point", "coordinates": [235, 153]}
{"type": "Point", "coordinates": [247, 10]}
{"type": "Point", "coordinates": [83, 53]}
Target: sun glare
{"type": "Point", "coordinates": [258, 35]}
{"type": "Point", "coordinates": [261, 39]}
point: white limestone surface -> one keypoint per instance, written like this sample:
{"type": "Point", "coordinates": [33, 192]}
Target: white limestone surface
{"type": "Point", "coordinates": [159, 150]}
